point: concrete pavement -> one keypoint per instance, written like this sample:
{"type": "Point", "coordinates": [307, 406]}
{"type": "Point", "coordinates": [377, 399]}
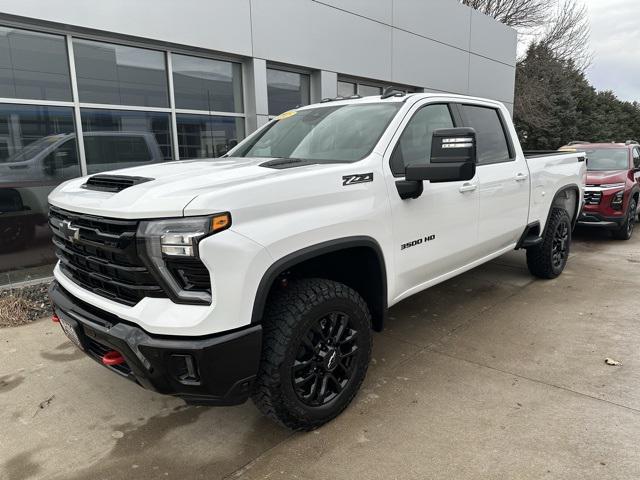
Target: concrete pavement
{"type": "Point", "coordinates": [490, 375]}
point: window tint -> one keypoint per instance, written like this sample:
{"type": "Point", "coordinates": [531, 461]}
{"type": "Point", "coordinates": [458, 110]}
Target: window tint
{"type": "Point", "coordinates": [490, 136]}
{"type": "Point", "coordinates": [414, 145]}
{"type": "Point", "coordinates": [120, 139]}
{"type": "Point", "coordinates": [120, 75]}
{"type": "Point", "coordinates": [33, 65]}
{"type": "Point", "coordinates": [286, 90]}
{"type": "Point", "coordinates": [203, 136]}
{"type": "Point", "coordinates": [206, 84]}
{"type": "Point", "coordinates": [636, 157]}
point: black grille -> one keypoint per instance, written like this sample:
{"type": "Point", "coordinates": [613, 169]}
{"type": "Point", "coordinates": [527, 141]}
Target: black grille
{"type": "Point", "coordinates": [100, 255]}
{"type": "Point", "coordinates": [113, 183]}
{"type": "Point", "coordinates": [592, 197]}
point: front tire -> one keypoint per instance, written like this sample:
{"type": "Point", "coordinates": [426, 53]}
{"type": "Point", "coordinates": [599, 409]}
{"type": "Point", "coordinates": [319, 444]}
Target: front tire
{"type": "Point", "coordinates": [315, 354]}
{"type": "Point", "coordinates": [626, 229]}
{"type": "Point", "coordinates": [548, 259]}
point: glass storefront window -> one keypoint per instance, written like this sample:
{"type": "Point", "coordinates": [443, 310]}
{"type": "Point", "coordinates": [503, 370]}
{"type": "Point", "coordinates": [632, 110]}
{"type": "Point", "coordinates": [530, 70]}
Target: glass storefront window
{"type": "Point", "coordinates": [368, 90]}
{"type": "Point", "coordinates": [119, 139]}
{"type": "Point", "coordinates": [346, 89]}
{"type": "Point", "coordinates": [120, 75]}
{"type": "Point", "coordinates": [33, 65]}
{"type": "Point", "coordinates": [38, 149]}
{"type": "Point", "coordinates": [206, 84]}
{"type": "Point", "coordinates": [201, 136]}
{"type": "Point", "coordinates": [286, 90]}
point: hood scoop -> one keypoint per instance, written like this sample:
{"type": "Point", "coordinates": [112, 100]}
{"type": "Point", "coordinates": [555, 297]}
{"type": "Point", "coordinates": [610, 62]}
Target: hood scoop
{"type": "Point", "coordinates": [282, 163]}
{"type": "Point", "coordinates": [113, 183]}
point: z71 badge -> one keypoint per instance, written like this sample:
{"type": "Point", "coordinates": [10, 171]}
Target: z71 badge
{"type": "Point", "coordinates": [358, 178]}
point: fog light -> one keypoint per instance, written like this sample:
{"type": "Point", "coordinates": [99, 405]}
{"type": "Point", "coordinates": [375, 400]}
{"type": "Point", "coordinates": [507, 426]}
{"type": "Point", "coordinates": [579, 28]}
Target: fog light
{"type": "Point", "coordinates": [183, 368]}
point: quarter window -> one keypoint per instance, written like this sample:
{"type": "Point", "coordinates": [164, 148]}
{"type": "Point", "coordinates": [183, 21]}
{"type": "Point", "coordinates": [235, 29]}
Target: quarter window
{"type": "Point", "coordinates": [414, 145]}
{"type": "Point", "coordinates": [491, 139]}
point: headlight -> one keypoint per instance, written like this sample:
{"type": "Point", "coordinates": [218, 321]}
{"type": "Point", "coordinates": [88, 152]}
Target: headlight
{"type": "Point", "coordinates": [169, 248]}
{"type": "Point", "coordinates": [616, 201]}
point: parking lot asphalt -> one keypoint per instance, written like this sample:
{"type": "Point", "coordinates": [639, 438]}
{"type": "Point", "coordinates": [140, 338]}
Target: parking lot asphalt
{"type": "Point", "coordinates": [489, 375]}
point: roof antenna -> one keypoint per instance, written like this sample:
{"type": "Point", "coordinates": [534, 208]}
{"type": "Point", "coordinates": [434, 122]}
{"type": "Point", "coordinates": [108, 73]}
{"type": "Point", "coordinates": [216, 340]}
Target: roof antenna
{"type": "Point", "coordinates": [392, 92]}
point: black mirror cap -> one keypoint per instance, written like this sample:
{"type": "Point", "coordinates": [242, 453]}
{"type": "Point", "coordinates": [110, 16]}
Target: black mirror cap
{"type": "Point", "coordinates": [453, 145]}
{"type": "Point", "coordinates": [441, 172]}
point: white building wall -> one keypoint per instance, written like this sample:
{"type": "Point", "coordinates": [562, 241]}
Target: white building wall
{"type": "Point", "coordinates": [431, 44]}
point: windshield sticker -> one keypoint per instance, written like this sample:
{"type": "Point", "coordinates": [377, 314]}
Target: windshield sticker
{"type": "Point", "coordinates": [284, 115]}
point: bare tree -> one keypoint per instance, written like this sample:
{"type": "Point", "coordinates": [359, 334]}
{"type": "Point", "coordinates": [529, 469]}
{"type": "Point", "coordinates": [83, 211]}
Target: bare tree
{"type": "Point", "coordinates": [567, 34]}
{"type": "Point", "coordinates": [521, 14]}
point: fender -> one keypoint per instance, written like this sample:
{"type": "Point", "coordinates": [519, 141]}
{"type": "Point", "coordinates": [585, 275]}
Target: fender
{"type": "Point", "coordinates": [578, 207]}
{"type": "Point", "coordinates": [295, 258]}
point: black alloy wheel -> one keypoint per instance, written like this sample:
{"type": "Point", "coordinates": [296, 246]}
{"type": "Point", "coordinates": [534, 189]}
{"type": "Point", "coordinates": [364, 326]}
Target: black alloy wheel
{"type": "Point", "coordinates": [560, 248]}
{"type": "Point", "coordinates": [324, 363]}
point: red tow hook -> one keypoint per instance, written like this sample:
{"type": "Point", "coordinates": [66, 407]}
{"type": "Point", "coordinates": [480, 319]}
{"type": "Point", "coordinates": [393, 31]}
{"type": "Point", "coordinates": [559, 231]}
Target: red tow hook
{"type": "Point", "coordinates": [112, 358]}
{"type": "Point", "coordinates": [55, 318]}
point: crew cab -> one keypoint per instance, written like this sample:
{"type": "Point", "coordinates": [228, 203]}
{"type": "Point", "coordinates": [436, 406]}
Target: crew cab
{"type": "Point", "coordinates": [263, 273]}
{"type": "Point", "coordinates": [613, 186]}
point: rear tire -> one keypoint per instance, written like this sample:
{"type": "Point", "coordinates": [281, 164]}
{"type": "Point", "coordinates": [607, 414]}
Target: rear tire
{"type": "Point", "coordinates": [548, 259]}
{"type": "Point", "coordinates": [626, 229]}
{"type": "Point", "coordinates": [315, 354]}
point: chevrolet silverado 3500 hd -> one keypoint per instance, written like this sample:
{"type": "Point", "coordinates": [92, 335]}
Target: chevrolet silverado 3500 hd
{"type": "Point", "coordinates": [262, 274]}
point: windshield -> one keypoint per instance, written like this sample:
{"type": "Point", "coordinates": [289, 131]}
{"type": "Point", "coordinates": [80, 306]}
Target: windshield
{"type": "Point", "coordinates": [607, 159]}
{"type": "Point", "coordinates": [339, 133]}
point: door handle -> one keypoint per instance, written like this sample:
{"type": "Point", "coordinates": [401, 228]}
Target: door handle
{"type": "Point", "coordinates": [521, 177]}
{"type": "Point", "coordinates": [468, 187]}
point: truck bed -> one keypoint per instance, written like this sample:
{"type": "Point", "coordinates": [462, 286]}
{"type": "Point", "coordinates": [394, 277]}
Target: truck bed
{"type": "Point", "coordinates": [533, 154]}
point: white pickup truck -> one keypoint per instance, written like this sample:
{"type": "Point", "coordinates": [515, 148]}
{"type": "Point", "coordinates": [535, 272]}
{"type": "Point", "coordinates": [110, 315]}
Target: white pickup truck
{"type": "Point", "coordinates": [263, 273]}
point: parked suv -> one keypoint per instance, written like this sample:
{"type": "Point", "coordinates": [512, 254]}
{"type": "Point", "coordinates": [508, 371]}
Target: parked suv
{"type": "Point", "coordinates": [613, 186]}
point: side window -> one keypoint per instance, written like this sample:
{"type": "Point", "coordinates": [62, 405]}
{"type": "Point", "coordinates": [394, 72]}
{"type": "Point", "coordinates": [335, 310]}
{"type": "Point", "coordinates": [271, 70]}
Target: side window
{"type": "Point", "coordinates": [414, 145]}
{"type": "Point", "coordinates": [490, 134]}
{"type": "Point", "coordinates": [63, 161]}
{"type": "Point", "coordinates": [636, 157]}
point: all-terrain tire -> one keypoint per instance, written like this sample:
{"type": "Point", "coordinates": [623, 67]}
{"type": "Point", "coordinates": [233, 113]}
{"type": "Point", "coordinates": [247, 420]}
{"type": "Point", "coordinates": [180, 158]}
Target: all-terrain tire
{"type": "Point", "coordinates": [548, 259]}
{"type": "Point", "coordinates": [292, 326]}
{"type": "Point", "coordinates": [626, 229]}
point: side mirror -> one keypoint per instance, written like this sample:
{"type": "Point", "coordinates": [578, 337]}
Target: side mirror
{"type": "Point", "coordinates": [453, 159]}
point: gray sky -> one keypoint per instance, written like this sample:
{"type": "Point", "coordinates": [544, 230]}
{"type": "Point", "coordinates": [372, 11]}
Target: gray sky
{"type": "Point", "coordinates": [615, 41]}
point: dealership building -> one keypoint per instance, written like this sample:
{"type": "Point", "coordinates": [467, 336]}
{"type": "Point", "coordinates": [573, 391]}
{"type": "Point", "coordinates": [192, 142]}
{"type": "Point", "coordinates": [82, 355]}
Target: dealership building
{"type": "Point", "coordinates": [92, 86]}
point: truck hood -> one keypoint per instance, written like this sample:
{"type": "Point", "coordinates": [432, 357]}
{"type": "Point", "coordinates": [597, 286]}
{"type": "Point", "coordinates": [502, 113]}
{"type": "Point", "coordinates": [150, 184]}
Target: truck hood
{"type": "Point", "coordinates": [173, 186]}
{"type": "Point", "coordinates": [608, 176]}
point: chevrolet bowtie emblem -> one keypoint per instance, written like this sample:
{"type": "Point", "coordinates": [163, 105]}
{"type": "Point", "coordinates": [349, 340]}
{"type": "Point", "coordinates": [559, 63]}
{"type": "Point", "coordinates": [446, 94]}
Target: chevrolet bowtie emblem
{"type": "Point", "coordinates": [70, 232]}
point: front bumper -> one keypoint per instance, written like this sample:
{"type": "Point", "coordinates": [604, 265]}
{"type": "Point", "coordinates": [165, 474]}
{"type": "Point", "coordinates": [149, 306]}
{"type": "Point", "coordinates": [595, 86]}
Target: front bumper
{"type": "Point", "coordinates": [593, 219]}
{"type": "Point", "coordinates": [213, 370]}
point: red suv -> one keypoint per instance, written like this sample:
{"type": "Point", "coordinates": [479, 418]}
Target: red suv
{"type": "Point", "coordinates": [613, 186]}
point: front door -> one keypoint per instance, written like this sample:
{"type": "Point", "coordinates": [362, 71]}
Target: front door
{"type": "Point", "coordinates": [436, 233]}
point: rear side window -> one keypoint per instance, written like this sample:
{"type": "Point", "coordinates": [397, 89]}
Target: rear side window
{"type": "Point", "coordinates": [414, 145]}
{"type": "Point", "coordinates": [491, 137]}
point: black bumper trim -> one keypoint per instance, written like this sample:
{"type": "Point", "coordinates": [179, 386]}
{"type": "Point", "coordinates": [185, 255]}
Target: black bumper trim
{"type": "Point", "coordinates": [225, 365]}
{"type": "Point", "coordinates": [598, 220]}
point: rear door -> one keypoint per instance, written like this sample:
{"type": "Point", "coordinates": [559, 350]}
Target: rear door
{"type": "Point", "coordinates": [503, 179]}
{"type": "Point", "coordinates": [435, 233]}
